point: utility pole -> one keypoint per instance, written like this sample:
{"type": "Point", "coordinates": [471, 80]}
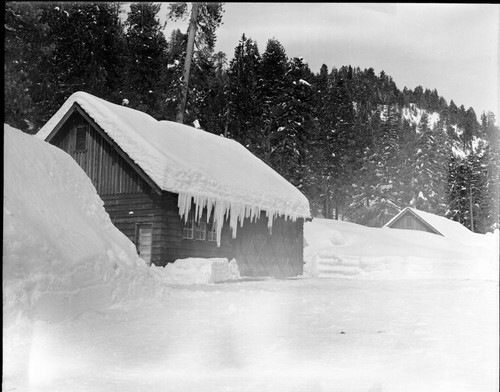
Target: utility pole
{"type": "Point", "coordinates": [187, 62]}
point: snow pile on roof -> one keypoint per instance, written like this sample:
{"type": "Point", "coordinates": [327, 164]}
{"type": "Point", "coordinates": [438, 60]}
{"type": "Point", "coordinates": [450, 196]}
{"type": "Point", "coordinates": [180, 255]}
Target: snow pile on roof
{"type": "Point", "coordinates": [61, 253]}
{"type": "Point", "coordinates": [198, 271]}
{"type": "Point", "coordinates": [444, 226]}
{"type": "Point", "coordinates": [351, 251]}
{"type": "Point", "coordinates": [208, 169]}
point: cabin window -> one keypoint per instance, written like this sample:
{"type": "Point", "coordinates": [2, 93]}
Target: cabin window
{"type": "Point", "coordinates": [81, 138]}
{"type": "Point", "coordinates": [188, 229]}
{"type": "Point", "coordinates": [211, 236]}
{"type": "Point", "coordinates": [200, 231]}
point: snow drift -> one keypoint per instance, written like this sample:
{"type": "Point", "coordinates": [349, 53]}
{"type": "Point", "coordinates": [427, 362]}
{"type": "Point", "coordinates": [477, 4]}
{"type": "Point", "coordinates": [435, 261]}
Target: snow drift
{"type": "Point", "coordinates": [198, 271]}
{"type": "Point", "coordinates": [61, 253]}
{"type": "Point", "coordinates": [348, 250]}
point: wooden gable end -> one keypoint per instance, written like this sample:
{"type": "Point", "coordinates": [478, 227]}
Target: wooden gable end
{"type": "Point", "coordinates": [106, 164]}
{"type": "Point", "coordinates": [410, 221]}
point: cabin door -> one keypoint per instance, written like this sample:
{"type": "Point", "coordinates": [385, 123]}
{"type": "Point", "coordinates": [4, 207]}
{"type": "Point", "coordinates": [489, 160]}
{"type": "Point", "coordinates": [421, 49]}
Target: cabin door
{"type": "Point", "coordinates": [144, 241]}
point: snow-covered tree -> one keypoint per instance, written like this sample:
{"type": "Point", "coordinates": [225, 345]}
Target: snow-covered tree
{"type": "Point", "coordinates": [26, 49]}
{"type": "Point", "coordinates": [205, 18]}
{"type": "Point", "coordinates": [146, 47]}
{"type": "Point", "coordinates": [88, 49]}
{"type": "Point", "coordinates": [244, 107]}
{"type": "Point", "coordinates": [272, 91]}
{"type": "Point", "coordinates": [430, 167]}
{"type": "Point", "coordinates": [289, 142]}
{"type": "Point", "coordinates": [492, 161]}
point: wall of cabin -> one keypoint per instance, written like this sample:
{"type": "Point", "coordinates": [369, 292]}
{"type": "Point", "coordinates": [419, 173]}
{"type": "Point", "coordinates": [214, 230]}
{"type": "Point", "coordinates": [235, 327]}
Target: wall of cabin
{"type": "Point", "coordinates": [109, 172]}
{"type": "Point", "coordinates": [278, 254]}
{"type": "Point", "coordinates": [127, 211]}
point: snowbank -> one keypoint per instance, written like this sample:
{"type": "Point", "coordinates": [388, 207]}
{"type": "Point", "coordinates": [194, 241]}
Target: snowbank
{"type": "Point", "coordinates": [203, 168]}
{"type": "Point", "coordinates": [347, 250]}
{"type": "Point", "coordinates": [198, 271]}
{"type": "Point", "coordinates": [61, 253]}
{"type": "Point", "coordinates": [62, 256]}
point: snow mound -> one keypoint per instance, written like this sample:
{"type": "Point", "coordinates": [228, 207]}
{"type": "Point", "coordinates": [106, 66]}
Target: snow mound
{"type": "Point", "coordinates": [199, 271]}
{"type": "Point", "coordinates": [61, 254]}
{"type": "Point", "coordinates": [384, 253]}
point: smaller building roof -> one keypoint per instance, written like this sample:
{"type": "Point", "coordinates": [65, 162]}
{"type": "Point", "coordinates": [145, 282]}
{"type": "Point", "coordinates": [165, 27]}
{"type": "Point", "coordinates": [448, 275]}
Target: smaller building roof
{"type": "Point", "coordinates": [441, 225]}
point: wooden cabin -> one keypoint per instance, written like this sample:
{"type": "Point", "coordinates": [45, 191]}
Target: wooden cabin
{"type": "Point", "coordinates": [413, 219]}
{"type": "Point", "coordinates": [179, 192]}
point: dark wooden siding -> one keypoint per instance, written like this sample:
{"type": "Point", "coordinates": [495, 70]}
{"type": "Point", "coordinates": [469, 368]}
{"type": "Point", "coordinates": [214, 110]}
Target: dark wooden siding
{"type": "Point", "coordinates": [278, 254]}
{"type": "Point", "coordinates": [410, 222]}
{"type": "Point", "coordinates": [109, 172]}
{"type": "Point", "coordinates": [127, 210]}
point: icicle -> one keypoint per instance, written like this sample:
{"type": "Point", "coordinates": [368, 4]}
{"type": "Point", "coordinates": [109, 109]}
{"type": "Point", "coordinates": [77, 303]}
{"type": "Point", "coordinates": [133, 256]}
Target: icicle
{"type": "Point", "coordinates": [221, 210]}
{"type": "Point", "coordinates": [184, 205]}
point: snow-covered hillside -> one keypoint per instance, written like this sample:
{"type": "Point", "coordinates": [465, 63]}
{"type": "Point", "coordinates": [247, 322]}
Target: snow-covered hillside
{"type": "Point", "coordinates": [82, 312]}
{"type": "Point", "coordinates": [414, 115]}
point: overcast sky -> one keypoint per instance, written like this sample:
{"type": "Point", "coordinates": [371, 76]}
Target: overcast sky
{"type": "Point", "coordinates": [450, 47]}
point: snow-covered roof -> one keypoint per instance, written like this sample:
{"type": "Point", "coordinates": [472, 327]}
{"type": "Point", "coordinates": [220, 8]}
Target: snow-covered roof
{"type": "Point", "coordinates": [444, 226]}
{"type": "Point", "coordinates": [200, 166]}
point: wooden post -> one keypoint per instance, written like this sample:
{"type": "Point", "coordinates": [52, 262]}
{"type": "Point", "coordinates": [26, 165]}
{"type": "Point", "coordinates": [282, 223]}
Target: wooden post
{"type": "Point", "coordinates": [187, 62]}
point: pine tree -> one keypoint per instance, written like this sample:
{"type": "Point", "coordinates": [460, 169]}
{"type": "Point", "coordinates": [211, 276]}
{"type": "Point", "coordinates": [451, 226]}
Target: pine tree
{"type": "Point", "coordinates": [492, 166]}
{"type": "Point", "coordinates": [272, 92]}
{"type": "Point", "coordinates": [244, 107]}
{"type": "Point", "coordinates": [176, 52]}
{"type": "Point", "coordinates": [213, 103]}
{"type": "Point", "coordinates": [88, 50]}
{"type": "Point", "coordinates": [470, 127]}
{"type": "Point", "coordinates": [468, 198]}
{"type": "Point", "coordinates": [429, 174]}
{"type": "Point", "coordinates": [145, 80]}
{"type": "Point", "coordinates": [205, 18]}
{"type": "Point", "coordinates": [289, 141]}
{"type": "Point", "coordinates": [346, 141]}
{"type": "Point", "coordinates": [26, 48]}
{"type": "Point", "coordinates": [376, 194]}
{"type": "Point", "coordinates": [321, 164]}
{"type": "Point", "coordinates": [207, 102]}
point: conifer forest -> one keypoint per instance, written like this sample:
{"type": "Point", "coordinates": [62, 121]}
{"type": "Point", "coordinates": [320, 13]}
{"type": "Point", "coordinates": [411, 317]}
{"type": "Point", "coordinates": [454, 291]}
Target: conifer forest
{"type": "Point", "coordinates": [358, 146]}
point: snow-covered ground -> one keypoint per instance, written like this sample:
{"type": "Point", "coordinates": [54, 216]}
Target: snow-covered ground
{"type": "Point", "coordinates": [377, 309]}
{"type": "Point", "coordinates": [271, 335]}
